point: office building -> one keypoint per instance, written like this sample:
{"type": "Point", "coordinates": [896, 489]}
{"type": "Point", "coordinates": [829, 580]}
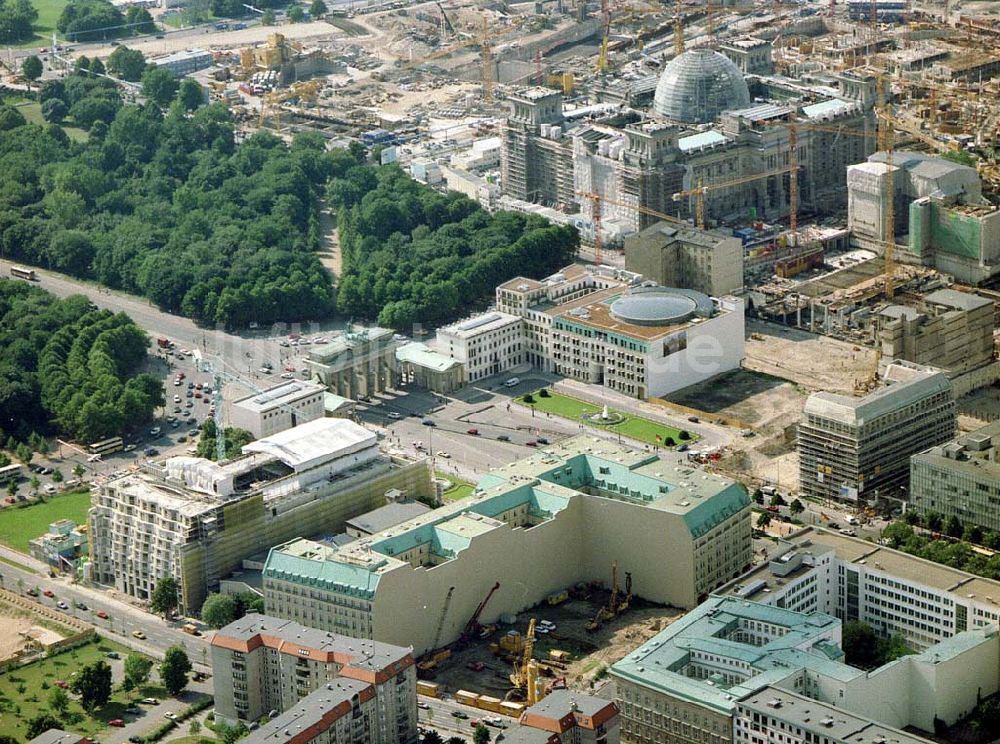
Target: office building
{"type": "Point", "coordinates": [574, 717]}
{"type": "Point", "coordinates": [277, 408]}
{"type": "Point", "coordinates": [894, 592]}
{"type": "Point", "coordinates": [603, 326]}
{"type": "Point", "coordinates": [962, 240]}
{"type": "Point", "coordinates": [948, 329]}
{"type": "Point", "coordinates": [385, 517]}
{"type": "Point", "coordinates": [532, 528]}
{"type": "Point", "coordinates": [684, 685]}
{"type": "Point", "coordinates": [858, 449]}
{"type": "Point", "coordinates": [672, 255]}
{"type": "Point", "coordinates": [197, 520]}
{"type": "Point", "coordinates": [356, 364]}
{"type": "Point", "coordinates": [325, 687]}
{"type": "Point", "coordinates": [960, 479]}
{"type": "Point", "coordinates": [185, 62]}
{"type": "Point", "coordinates": [915, 175]}
{"type": "Point", "coordinates": [485, 345]}
{"type": "Point", "coordinates": [772, 715]}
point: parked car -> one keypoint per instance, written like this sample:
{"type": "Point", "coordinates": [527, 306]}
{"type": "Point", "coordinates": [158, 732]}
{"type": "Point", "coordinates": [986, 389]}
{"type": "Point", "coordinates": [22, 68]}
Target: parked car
{"type": "Point", "coordinates": [393, 414]}
{"type": "Point", "coordinates": [32, 592]}
{"type": "Point", "coordinates": [80, 605]}
{"type": "Point", "coordinates": [459, 714]}
{"type": "Point", "coordinates": [503, 438]}
{"type": "Point", "coordinates": [155, 431]}
{"type": "Point", "coordinates": [473, 432]}
{"type": "Point", "coordinates": [112, 654]}
{"type": "Point", "coordinates": [532, 443]}
{"type": "Point", "coordinates": [49, 593]}
{"type": "Point", "coordinates": [442, 453]}
{"type": "Point", "coordinates": [104, 616]}
{"type": "Point", "coordinates": [428, 422]}
{"type": "Point", "coordinates": [170, 714]}
{"type": "Point", "coordinates": [512, 382]}
{"type": "Point", "coordinates": [150, 701]}
{"type": "Point", "coordinates": [117, 723]}
{"type": "Point", "coordinates": [542, 440]}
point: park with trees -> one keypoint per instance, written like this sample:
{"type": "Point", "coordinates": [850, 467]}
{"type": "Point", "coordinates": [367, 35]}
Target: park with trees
{"type": "Point", "coordinates": [69, 368]}
{"type": "Point", "coordinates": [412, 254]}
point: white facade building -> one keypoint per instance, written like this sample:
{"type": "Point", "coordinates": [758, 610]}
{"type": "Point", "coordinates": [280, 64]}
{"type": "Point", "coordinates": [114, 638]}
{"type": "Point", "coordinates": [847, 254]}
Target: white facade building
{"type": "Point", "coordinates": [894, 592]}
{"type": "Point", "coordinates": [277, 408]}
{"type": "Point", "coordinates": [486, 344]}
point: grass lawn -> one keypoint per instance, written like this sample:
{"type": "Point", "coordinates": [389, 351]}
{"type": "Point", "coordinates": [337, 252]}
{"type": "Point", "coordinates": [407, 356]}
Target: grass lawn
{"type": "Point", "coordinates": [23, 696]}
{"type": "Point", "coordinates": [199, 739]}
{"type": "Point", "coordinates": [459, 488]}
{"type": "Point", "coordinates": [48, 14]}
{"type": "Point", "coordinates": [33, 113]}
{"type": "Point", "coordinates": [633, 427]}
{"type": "Point", "coordinates": [19, 526]}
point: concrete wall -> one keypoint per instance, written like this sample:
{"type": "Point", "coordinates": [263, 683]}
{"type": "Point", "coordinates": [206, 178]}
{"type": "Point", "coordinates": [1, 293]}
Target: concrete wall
{"type": "Point", "coordinates": [713, 347]}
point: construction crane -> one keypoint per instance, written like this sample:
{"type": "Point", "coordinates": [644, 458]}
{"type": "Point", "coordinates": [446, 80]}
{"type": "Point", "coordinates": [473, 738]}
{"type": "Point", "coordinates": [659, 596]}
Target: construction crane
{"type": "Point", "coordinates": [273, 100]}
{"type": "Point", "coordinates": [473, 627]}
{"type": "Point", "coordinates": [701, 189]}
{"type": "Point", "coordinates": [447, 28]}
{"type": "Point", "coordinates": [485, 41]}
{"type": "Point", "coordinates": [886, 141]}
{"type": "Point", "coordinates": [614, 606]}
{"type": "Point", "coordinates": [519, 675]}
{"type": "Point", "coordinates": [596, 199]}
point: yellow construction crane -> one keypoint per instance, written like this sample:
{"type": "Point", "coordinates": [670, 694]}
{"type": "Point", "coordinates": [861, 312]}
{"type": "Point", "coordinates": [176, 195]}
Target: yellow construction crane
{"type": "Point", "coordinates": [485, 41]}
{"type": "Point", "coordinates": [273, 100]}
{"type": "Point", "coordinates": [596, 199]}
{"type": "Point", "coordinates": [519, 676]}
{"type": "Point", "coordinates": [886, 141]}
{"type": "Point", "coordinates": [701, 189]}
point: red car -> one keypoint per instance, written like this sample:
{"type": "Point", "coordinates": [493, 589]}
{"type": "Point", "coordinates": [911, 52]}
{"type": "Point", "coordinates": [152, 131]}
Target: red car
{"type": "Point", "coordinates": [773, 509]}
{"type": "Point", "coordinates": [118, 722]}
{"type": "Point", "coordinates": [61, 683]}
{"type": "Point", "coordinates": [531, 444]}
{"type": "Point", "coordinates": [473, 432]}
{"type": "Point", "coordinates": [180, 375]}
{"type": "Point", "coordinates": [48, 593]}
{"type": "Point", "coordinates": [102, 614]}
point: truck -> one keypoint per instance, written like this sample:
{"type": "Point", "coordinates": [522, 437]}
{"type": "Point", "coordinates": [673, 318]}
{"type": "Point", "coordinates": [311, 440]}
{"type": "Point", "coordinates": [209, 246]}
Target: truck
{"type": "Point", "coordinates": [163, 342]}
{"type": "Point", "coordinates": [191, 629]}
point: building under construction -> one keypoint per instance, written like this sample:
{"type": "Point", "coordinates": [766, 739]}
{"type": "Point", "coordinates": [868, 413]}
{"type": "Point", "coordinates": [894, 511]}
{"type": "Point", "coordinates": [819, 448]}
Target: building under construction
{"type": "Point", "coordinates": [531, 529]}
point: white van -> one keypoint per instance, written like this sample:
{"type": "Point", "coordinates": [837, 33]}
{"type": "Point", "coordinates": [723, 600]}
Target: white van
{"type": "Point", "coordinates": [512, 382]}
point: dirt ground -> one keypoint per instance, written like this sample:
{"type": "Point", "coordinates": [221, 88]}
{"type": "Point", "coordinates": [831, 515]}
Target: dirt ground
{"type": "Point", "coordinates": [978, 408]}
{"type": "Point", "coordinates": [591, 652]}
{"type": "Point", "coordinates": [815, 362]}
{"type": "Point", "coordinates": [11, 640]}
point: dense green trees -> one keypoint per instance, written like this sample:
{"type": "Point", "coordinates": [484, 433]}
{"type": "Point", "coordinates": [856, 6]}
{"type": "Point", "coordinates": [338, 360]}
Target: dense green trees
{"type": "Point", "coordinates": [159, 85]}
{"type": "Point", "coordinates": [127, 64]}
{"type": "Point", "coordinates": [864, 649]}
{"type": "Point", "coordinates": [64, 363]}
{"type": "Point", "coordinates": [16, 17]}
{"type": "Point", "coordinates": [32, 69]}
{"type": "Point", "coordinates": [164, 599]}
{"type": "Point", "coordinates": [219, 610]}
{"type": "Point", "coordinates": [91, 20]}
{"type": "Point", "coordinates": [234, 440]}
{"type": "Point", "coordinates": [318, 9]}
{"type": "Point", "coordinates": [166, 205]}
{"type": "Point", "coordinates": [93, 684]}
{"type": "Point", "coordinates": [902, 536]}
{"type": "Point", "coordinates": [412, 254]}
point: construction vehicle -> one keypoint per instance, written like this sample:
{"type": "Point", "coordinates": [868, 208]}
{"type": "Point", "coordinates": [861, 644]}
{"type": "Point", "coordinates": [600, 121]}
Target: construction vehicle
{"type": "Point", "coordinates": [519, 676]}
{"type": "Point", "coordinates": [473, 628]}
{"type": "Point", "coordinates": [557, 598]}
{"type": "Point", "coordinates": [616, 604]}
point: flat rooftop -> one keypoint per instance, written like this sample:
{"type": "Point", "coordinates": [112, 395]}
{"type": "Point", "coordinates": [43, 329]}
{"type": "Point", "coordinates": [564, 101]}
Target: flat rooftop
{"type": "Point", "coordinates": [478, 324]}
{"type": "Point", "coordinates": [279, 395]}
{"type": "Point", "coordinates": [320, 708]}
{"type": "Point", "coordinates": [287, 636]}
{"type": "Point", "coordinates": [823, 720]}
{"type": "Point", "coordinates": [817, 541]}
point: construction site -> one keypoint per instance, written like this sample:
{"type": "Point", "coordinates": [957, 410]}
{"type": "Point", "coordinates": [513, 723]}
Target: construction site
{"type": "Point", "coordinates": [569, 640]}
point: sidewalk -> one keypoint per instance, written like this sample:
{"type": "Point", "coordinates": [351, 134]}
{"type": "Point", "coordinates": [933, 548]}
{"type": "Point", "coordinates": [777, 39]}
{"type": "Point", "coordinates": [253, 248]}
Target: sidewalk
{"type": "Point", "coordinates": [24, 560]}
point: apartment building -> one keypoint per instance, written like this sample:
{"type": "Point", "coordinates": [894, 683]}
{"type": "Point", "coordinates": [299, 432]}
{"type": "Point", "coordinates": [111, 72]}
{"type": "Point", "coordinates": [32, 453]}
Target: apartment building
{"type": "Point", "coordinates": [858, 449]}
{"type": "Point", "coordinates": [776, 716]}
{"type": "Point", "coordinates": [486, 344]}
{"type": "Point", "coordinates": [277, 408]}
{"type": "Point", "coordinates": [197, 520]}
{"type": "Point", "coordinates": [960, 479]}
{"type": "Point", "coordinates": [684, 685]}
{"type": "Point", "coordinates": [574, 717]}
{"type": "Point", "coordinates": [894, 592]}
{"type": "Point", "coordinates": [672, 255]}
{"type": "Point", "coordinates": [532, 528]}
{"type": "Point", "coordinates": [325, 687]}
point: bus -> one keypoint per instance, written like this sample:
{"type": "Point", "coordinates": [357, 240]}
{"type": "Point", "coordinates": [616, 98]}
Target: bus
{"type": "Point", "coordinates": [11, 473]}
{"type": "Point", "coordinates": [107, 446]}
{"type": "Point", "coordinates": [19, 272]}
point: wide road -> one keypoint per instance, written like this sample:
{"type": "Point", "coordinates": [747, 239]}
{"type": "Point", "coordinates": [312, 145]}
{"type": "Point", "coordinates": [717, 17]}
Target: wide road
{"type": "Point", "coordinates": [123, 618]}
{"type": "Point", "coordinates": [438, 714]}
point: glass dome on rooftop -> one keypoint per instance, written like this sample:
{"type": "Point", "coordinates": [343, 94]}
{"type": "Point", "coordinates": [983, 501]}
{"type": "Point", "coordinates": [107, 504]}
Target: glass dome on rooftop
{"type": "Point", "coordinates": [699, 85]}
{"type": "Point", "coordinates": [660, 306]}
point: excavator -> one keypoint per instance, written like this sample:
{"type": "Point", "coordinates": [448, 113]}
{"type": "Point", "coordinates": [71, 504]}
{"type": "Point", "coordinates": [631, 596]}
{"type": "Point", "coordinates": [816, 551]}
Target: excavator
{"type": "Point", "coordinates": [430, 660]}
